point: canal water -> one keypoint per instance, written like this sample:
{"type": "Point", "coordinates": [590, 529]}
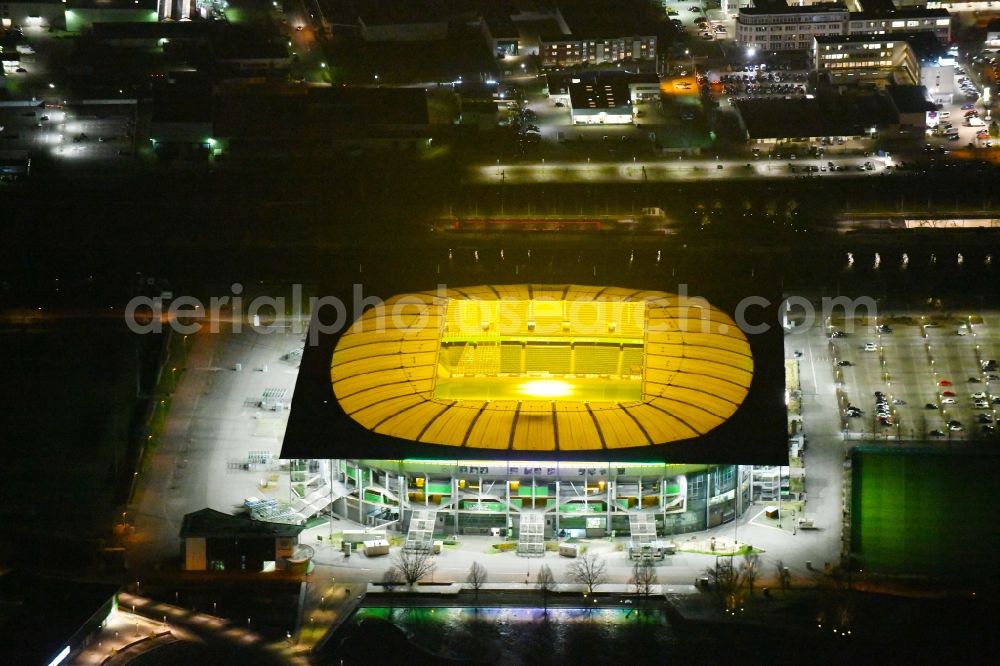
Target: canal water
{"type": "Point", "coordinates": [532, 635]}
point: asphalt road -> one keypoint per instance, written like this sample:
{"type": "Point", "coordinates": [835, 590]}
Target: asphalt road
{"type": "Point", "coordinates": [672, 169]}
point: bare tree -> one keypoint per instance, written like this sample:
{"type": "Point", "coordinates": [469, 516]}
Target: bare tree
{"type": "Point", "coordinates": [545, 582]}
{"type": "Point", "coordinates": [836, 596]}
{"type": "Point", "coordinates": [413, 566]}
{"type": "Point", "coordinates": [749, 569]}
{"type": "Point", "coordinates": [391, 579]}
{"type": "Point", "coordinates": [784, 580]}
{"type": "Point", "coordinates": [725, 579]}
{"type": "Point", "coordinates": [476, 577]}
{"type": "Point", "coordinates": [589, 569]}
{"type": "Point", "coordinates": [643, 578]}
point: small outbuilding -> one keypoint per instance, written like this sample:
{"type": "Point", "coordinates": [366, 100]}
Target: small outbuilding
{"type": "Point", "coordinates": [216, 541]}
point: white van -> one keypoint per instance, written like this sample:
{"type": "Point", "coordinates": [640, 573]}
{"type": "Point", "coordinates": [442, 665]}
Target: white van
{"type": "Point", "coordinates": [975, 122]}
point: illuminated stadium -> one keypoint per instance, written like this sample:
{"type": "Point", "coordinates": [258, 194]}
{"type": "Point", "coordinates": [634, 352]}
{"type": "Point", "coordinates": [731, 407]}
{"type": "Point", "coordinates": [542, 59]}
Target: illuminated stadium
{"type": "Point", "coordinates": [542, 368]}
{"type": "Point", "coordinates": [580, 409]}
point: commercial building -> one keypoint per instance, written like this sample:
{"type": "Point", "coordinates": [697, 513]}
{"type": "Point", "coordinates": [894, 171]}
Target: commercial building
{"type": "Point", "coordinates": [515, 28]}
{"type": "Point", "coordinates": [939, 80]}
{"type": "Point", "coordinates": [852, 113]}
{"type": "Point", "coordinates": [909, 20]}
{"type": "Point", "coordinates": [318, 122]}
{"type": "Point", "coordinates": [865, 59]}
{"type": "Point", "coordinates": [601, 32]}
{"type": "Point", "coordinates": [910, 104]}
{"type": "Point", "coordinates": [83, 14]}
{"type": "Point", "coordinates": [42, 14]}
{"type": "Point", "coordinates": [181, 121]}
{"type": "Point", "coordinates": [601, 102]}
{"type": "Point", "coordinates": [776, 26]}
{"type": "Point", "coordinates": [180, 10]}
{"type": "Point", "coordinates": [641, 87]}
{"type": "Point", "coordinates": [560, 51]}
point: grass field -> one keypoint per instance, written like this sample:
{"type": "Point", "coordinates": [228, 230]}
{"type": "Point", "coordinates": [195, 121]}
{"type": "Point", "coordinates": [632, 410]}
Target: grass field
{"type": "Point", "coordinates": [517, 388]}
{"type": "Point", "coordinates": [923, 512]}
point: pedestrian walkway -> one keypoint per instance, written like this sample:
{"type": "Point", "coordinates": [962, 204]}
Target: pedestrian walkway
{"type": "Point", "coordinates": [210, 630]}
{"type": "Point", "coordinates": [124, 636]}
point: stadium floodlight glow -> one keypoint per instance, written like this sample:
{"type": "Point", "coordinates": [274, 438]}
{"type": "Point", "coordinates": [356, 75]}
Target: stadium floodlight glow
{"type": "Point", "coordinates": [546, 388]}
{"type": "Point", "coordinates": [542, 368]}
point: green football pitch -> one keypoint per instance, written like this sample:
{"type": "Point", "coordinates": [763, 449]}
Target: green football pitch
{"type": "Point", "coordinates": [524, 388]}
{"type": "Point", "coordinates": [923, 512]}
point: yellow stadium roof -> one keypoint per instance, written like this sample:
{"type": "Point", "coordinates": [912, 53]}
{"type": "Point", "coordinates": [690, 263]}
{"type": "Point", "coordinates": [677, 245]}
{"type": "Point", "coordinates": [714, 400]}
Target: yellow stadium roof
{"type": "Point", "coordinates": [695, 372]}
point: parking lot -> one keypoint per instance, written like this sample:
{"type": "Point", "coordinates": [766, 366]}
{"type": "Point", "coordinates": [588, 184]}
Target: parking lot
{"type": "Point", "coordinates": [99, 132]}
{"type": "Point", "coordinates": [928, 366]}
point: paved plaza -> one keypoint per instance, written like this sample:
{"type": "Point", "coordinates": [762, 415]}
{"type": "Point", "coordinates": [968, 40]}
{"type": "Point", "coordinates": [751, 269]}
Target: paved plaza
{"type": "Point", "coordinates": [220, 419]}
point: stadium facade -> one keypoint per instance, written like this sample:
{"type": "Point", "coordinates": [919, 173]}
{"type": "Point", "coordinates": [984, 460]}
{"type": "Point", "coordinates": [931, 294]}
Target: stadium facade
{"type": "Point", "coordinates": [551, 409]}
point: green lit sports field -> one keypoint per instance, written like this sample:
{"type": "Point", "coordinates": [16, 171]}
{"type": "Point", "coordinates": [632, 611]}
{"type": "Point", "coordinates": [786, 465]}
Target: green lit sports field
{"type": "Point", "coordinates": [922, 512]}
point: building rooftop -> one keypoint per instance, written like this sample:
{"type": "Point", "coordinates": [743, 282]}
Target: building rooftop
{"type": "Point", "coordinates": [603, 93]}
{"type": "Point", "coordinates": [826, 115]}
{"type": "Point", "coordinates": [877, 6]}
{"type": "Point", "coordinates": [370, 106]}
{"type": "Point", "coordinates": [858, 39]}
{"type": "Point", "coordinates": [905, 13]}
{"type": "Point", "coordinates": [558, 82]}
{"type": "Point", "coordinates": [153, 30]}
{"type": "Point", "coordinates": [781, 7]}
{"type": "Point", "coordinates": [215, 524]}
{"type": "Point", "coordinates": [112, 4]}
{"type": "Point", "coordinates": [604, 19]}
{"type": "Point", "coordinates": [910, 99]}
{"type": "Point", "coordinates": [186, 97]}
{"type": "Point", "coordinates": [924, 44]}
{"type": "Point", "coordinates": [39, 614]}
